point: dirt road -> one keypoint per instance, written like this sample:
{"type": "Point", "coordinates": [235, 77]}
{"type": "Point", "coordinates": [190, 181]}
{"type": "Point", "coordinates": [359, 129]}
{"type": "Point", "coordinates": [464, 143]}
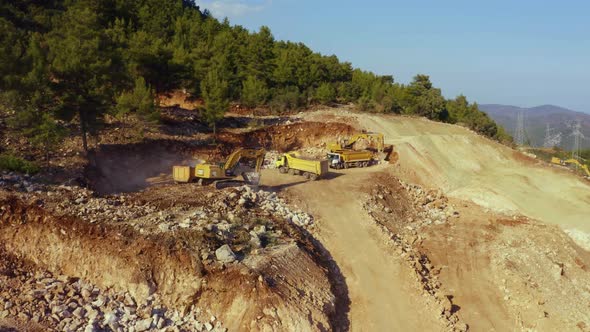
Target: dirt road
{"type": "Point", "coordinates": [382, 294]}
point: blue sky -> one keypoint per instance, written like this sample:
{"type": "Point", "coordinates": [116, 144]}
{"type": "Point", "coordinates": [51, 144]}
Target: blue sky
{"type": "Point", "coordinates": [518, 52]}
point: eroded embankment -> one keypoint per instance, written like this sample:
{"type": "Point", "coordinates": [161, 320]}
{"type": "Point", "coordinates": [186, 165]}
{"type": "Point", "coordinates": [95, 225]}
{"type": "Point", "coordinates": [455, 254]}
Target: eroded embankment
{"type": "Point", "coordinates": [283, 287]}
{"type": "Point", "coordinates": [109, 256]}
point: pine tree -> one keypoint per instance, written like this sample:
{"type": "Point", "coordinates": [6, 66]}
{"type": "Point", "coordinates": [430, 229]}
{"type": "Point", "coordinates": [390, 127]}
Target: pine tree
{"type": "Point", "coordinates": [139, 101]}
{"type": "Point", "coordinates": [83, 68]}
{"type": "Point", "coordinates": [215, 95]}
{"type": "Point", "coordinates": [254, 92]}
{"type": "Point", "coordinates": [325, 93]}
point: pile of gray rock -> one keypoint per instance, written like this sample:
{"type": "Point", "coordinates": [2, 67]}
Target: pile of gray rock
{"type": "Point", "coordinates": [270, 159]}
{"type": "Point", "coordinates": [425, 207]}
{"type": "Point", "coordinates": [20, 183]}
{"type": "Point", "coordinates": [269, 201]}
{"type": "Point", "coordinates": [432, 205]}
{"type": "Point", "coordinates": [81, 203]}
{"type": "Point", "coordinates": [60, 303]}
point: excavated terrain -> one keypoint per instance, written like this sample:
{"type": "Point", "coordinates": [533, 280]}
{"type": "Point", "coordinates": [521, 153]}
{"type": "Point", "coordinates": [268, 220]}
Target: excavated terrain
{"type": "Point", "coordinates": [190, 257]}
{"type": "Point", "coordinates": [460, 234]}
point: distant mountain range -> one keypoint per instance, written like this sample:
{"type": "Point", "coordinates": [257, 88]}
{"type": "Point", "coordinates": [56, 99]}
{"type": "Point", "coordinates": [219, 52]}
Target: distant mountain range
{"type": "Point", "coordinates": [536, 120]}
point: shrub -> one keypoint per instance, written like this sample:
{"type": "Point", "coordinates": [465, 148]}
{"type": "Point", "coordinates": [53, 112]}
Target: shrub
{"type": "Point", "coordinates": [12, 163]}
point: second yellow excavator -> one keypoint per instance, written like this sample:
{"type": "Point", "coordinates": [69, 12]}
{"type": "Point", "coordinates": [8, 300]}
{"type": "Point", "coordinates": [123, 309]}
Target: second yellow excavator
{"type": "Point", "coordinates": [557, 161]}
{"type": "Point", "coordinates": [244, 162]}
{"type": "Point", "coordinates": [375, 139]}
{"type": "Point", "coordinates": [374, 143]}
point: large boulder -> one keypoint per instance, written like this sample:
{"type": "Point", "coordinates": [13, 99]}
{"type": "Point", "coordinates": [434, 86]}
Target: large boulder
{"type": "Point", "coordinates": [224, 254]}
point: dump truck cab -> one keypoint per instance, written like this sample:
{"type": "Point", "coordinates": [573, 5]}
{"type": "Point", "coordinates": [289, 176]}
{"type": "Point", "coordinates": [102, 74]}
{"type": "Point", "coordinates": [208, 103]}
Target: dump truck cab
{"type": "Point", "coordinates": [335, 160]}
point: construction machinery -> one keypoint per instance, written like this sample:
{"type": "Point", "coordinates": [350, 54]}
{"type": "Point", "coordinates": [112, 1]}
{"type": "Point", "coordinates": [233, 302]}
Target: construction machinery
{"type": "Point", "coordinates": [349, 158]}
{"type": "Point", "coordinates": [562, 162]}
{"type": "Point", "coordinates": [347, 144]}
{"type": "Point", "coordinates": [244, 162]}
{"type": "Point", "coordinates": [294, 164]}
{"type": "Point", "coordinates": [343, 153]}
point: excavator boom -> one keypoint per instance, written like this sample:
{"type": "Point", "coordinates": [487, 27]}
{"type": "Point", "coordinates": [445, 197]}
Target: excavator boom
{"type": "Point", "coordinates": [376, 138]}
{"type": "Point", "coordinates": [236, 156]}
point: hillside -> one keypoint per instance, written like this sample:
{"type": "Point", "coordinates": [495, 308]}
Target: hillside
{"type": "Point", "coordinates": [99, 100]}
{"type": "Point", "coordinates": [82, 64]}
{"type": "Point", "coordinates": [536, 120]}
{"type": "Point", "coordinates": [413, 245]}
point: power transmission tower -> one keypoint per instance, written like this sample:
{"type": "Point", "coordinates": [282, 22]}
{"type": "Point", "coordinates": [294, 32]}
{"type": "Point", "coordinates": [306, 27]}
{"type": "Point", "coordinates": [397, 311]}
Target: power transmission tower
{"type": "Point", "coordinates": [577, 133]}
{"type": "Point", "coordinates": [519, 134]}
{"type": "Point", "coordinates": [552, 138]}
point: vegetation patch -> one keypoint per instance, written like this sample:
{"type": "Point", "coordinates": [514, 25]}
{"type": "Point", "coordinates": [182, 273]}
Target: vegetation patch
{"type": "Point", "coordinates": [9, 162]}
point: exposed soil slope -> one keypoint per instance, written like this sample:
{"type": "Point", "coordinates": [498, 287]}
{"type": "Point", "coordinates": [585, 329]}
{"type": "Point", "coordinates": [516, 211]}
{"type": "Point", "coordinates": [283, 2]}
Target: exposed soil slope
{"type": "Point", "coordinates": [468, 166]}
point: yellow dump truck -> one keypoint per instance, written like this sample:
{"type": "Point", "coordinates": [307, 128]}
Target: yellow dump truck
{"type": "Point", "coordinates": [293, 164]}
{"type": "Point", "coordinates": [374, 142]}
{"type": "Point", "coordinates": [244, 162]}
{"type": "Point", "coordinates": [349, 158]}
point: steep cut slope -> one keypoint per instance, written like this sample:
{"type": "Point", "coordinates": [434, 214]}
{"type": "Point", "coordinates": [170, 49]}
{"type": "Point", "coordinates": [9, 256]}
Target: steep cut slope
{"type": "Point", "coordinates": [468, 166]}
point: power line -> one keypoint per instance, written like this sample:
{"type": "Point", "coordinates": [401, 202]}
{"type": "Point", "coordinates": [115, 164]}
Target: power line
{"type": "Point", "coordinates": [578, 136]}
{"type": "Point", "coordinates": [520, 134]}
{"type": "Point", "coordinates": [552, 137]}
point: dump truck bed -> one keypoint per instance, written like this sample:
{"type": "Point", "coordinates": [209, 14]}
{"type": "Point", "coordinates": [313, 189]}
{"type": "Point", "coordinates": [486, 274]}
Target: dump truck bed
{"type": "Point", "coordinates": [319, 167]}
{"type": "Point", "coordinates": [351, 156]}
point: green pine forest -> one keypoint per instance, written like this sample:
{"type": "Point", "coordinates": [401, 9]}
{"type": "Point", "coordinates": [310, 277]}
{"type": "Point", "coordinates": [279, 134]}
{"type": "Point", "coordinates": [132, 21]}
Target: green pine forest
{"type": "Point", "coordinates": [70, 63]}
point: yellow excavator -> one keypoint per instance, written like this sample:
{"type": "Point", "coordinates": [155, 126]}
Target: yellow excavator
{"type": "Point", "coordinates": [244, 162]}
{"type": "Point", "coordinates": [375, 142]}
{"type": "Point", "coordinates": [348, 143]}
{"type": "Point", "coordinates": [557, 161]}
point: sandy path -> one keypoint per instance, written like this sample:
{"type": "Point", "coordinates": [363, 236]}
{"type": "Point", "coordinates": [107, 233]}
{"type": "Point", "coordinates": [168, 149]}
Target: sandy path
{"type": "Point", "coordinates": [381, 293]}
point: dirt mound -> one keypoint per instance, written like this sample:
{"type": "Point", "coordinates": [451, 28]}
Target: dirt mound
{"type": "Point", "coordinates": [179, 99]}
{"type": "Point", "coordinates": [510, 273]}
{"type": "Point", "coordinates": [106, 255]}
{"type": "Point", "coordinates": [288, 137]}
{"type": "Point", "coordinates": [270, 282]}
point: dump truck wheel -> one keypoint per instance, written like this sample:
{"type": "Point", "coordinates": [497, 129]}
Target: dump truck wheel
{"type": "Point", "coordinates": [313, 176]}
{"type": "Point", "coordinates": [306, 175]}
{"type": "Point", "coordinates": [282, 169]}
{"type": "Point", "coordinates": [345, 165]}
{"type": "Point", "coordinates": [291, 171]}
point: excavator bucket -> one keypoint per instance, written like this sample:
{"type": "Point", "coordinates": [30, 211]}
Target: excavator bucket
{"type": "Point", "coordinates": [388, 155]}
{"type": "Point", "coordinates": [252, 178]}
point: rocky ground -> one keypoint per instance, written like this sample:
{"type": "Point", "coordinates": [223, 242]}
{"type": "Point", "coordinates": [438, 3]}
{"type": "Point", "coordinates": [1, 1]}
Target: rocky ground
{"type": "Point", "coordinates": [39, 300]}
{"type": "Point", "coordinates": [223, 227]}
{"type": "Point", "coordinates": [110, 243]}
{"type": "Point", "coordinates": [402, 210]}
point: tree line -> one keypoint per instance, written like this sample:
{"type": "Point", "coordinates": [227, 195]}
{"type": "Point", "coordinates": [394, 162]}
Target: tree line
{"type": "Point", "coordinates": [75, 61]}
